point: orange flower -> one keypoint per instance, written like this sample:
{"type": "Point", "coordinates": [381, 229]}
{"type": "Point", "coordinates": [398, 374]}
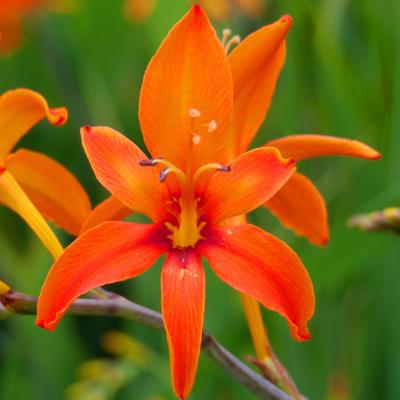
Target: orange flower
{"type": "Point", "coordinates": [28, 177]}
{"type": "Point", "coordinates": [255, 66]}
{"type": "Point", "coordinates": [219, 10]}
{"type": "Point", "coordinates": [139, 10]}
{"type": "Point", "coordinates": [186, 112]}
{"type": "Point", "coordinates": [12, 13]}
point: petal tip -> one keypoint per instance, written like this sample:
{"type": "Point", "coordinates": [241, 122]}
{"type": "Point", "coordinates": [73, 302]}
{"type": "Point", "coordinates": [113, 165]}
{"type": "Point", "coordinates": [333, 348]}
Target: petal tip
{"type": "Point", "coordinates": [301, 334]}
{"type": "Point", "coordinates": [321, 241]}
{"type": "Point", "coordinates": [86, 130]}
{"type": "Point", "coordinates": [2, 170]}
{"type": "Point", "coordinates": [375, 155]}
{"type": "Point", "coordinates": [49, 326]}
{"type": "Point", "coordinates": [197, 9]}
{"type": "Point", "coordinates": [58, 116]}
{"type": "Point", "coordinates": [287, 20]}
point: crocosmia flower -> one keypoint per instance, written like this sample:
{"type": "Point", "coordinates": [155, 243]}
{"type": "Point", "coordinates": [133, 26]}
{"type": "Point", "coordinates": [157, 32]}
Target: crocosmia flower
{"type": "Point", "coordinates": [190, 187]}
{"type": "Point", "coordinates": [27, 176]}
{"type": "Point", "coordinates": [12, 14]}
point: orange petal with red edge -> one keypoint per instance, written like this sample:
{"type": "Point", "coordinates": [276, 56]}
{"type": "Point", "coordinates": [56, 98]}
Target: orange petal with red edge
{"type": "Point", "coordinates": [110, 252]}
{"type": "Point", "coordinates": [258, 264]}
{"type": "Point", "coordinates": [115, 162]}
{"type": "Point", "coordinates": [110, 209]}
{"type": "Point", "coordinates": [300, 206]}
{"type": "Point", "coordinates": [183, 297]}
{"type": "Point", "coordinates": [20, 109]}
{"type": "Point", "coordinates": [254, 177]}
{"type": "Point", "coordinates": [301, 147]}
{"type": "Point", "coordinates": [256, 64]}
{"type": "Point", "coordinates": [54, 191]}
{"type": "Point", "coordinates": [186, 100]}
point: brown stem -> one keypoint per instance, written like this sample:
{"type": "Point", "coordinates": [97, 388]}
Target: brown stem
{"type": "Point", "coordinates": [386, 220]}
{"type": "Point", "coordinates": [117, 306]}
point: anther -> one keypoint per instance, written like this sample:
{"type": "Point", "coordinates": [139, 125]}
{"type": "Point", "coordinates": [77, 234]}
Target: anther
{"type": "Point", "coordinates": [224, 168]}
{"type": "Point", "coordinates": [225, 35]}
{"type": "Point", "coordinates": [194, 113]}
{"type": "Point", "coordinates": [212, 126]}
{"type": "Point", "coordinates": [164, 173]}
{"type": "Point", "coordinates": [151, 162]}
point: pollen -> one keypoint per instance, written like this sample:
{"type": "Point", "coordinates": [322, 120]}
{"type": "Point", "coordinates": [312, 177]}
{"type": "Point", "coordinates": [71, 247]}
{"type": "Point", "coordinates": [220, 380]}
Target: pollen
{"type": "Point", "coordinates": [212, 126]}
{"type": "Point", "coordinates": [194, 113]}
{"type": "Point", "coordinates": [196, 139]}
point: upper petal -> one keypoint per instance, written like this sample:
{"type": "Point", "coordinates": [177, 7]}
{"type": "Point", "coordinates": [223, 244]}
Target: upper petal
{"type": "Point", "coordinates": [301, 147]}
{"type": "Point", "coordinates": [20, 109]}
{"type": "Point", "coordinates": [254, 177]}
{"type": "Point", "coordinates": [300, 206]}
{"type": "Point", "coordinates": [189, 74]}
{"type": "Point", "coordinates": [111, 209]}
{"type": "Point", "coordinates": [256, 263]}
{"type": "Point", "coordinates": [115, 162]}
{"type": "Point", "coordinates": [256, 64]}
{"type": "Point", "coordinates": [110, 252]}
{"type": "Point", "coordinates": [182, 293]}
{"type": "Point", "coordinates": [54, 191]}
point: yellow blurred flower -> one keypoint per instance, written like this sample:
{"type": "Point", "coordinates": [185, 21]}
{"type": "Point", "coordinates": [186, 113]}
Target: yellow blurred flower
{"type": "Point", "coordinates": [219, 10]}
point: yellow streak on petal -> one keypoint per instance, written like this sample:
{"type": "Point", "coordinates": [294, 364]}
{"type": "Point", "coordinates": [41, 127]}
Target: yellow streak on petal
{"type": "Point", "coordinates": [12, 195]}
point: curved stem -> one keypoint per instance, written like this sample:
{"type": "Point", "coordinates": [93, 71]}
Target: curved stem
{"type": "Point", "coordinates": [117, 306]}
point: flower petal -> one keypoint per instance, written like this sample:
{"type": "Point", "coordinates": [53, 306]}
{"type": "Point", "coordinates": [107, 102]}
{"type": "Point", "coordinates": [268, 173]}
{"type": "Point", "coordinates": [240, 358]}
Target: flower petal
{"type": "Point", "coordinates": [110, 252]}
{"type": "Point", "coordinates": [54, 191]}
{"type": "Point", "coordinates": [12, 195]}
{"type": "Point", "coordinates": [256, 64]}
{"type": "Point", "coordinates": [301, 147]}
{"type": "Point", "coordinates": [115, 162]}
{"type": "Point", "coordinates": [183, 297]}
{"type": "Point", "coordinates": [189, 74]}
{"type": "Point", "coordinates": [110, 209]}
{"type": "Point", "coordinates": [256, 263]}
{"type": "Point", "coordinates": [10, 32]}
{"type": "Point", "coordinates": [20, 109]}
{"type": "Point", "coordinates": [253, 179]}
{"type": "Point", "coordinates": [299, 206]}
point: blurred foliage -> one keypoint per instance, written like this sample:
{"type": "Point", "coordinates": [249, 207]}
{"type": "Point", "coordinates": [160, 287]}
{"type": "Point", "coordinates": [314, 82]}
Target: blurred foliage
{"type": "Point", "coordinates": [341, 78]}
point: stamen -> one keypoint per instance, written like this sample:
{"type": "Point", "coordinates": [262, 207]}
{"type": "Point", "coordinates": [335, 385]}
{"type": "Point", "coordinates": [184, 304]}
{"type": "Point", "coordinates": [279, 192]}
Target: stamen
{"type": "Point", "coordinates": [224, 168]}
{"type": "Point", "coordinates": [207, 167]}
{"type": "Point", "coordinates": [212, 126]}
{"type": "Point", "coordinates": [151, 162]}
{"type": "Point", "coordinates": [194, 113]}
{"type": "Point", "coordinates": [163, 174]}
{"type": "Point", "coordinates": [169, 168]}
{"type": "Point", "coordinates": [225, 35]}
{"type": "Point", "coordinates": [196, 139]}
{"type": "Point", "coordinates": [235, 40]}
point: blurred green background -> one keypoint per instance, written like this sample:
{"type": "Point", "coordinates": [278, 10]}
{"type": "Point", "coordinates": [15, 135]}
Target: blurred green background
{"type": "Point", "coordinates": [342, 77]}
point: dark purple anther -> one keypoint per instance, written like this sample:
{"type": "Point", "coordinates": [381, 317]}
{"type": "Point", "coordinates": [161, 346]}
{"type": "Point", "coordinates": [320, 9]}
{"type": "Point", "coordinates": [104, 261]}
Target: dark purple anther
{"type": "Point", "coordinates": [163, 174]}
{"type": "Point", "coordinates": [224, 168]}
{"type": "Point", "coordinates": [151, 162]}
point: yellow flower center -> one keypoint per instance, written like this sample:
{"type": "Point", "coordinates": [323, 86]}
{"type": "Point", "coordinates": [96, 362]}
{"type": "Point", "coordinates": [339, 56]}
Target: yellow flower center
{"type": "Point", "coordinates": [188, 230]}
